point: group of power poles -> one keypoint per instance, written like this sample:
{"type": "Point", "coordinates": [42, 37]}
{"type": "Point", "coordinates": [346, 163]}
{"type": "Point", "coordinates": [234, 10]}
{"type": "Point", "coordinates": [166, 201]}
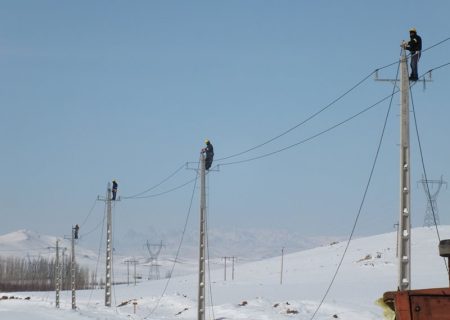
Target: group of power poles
{"type": "Point", "coordinates": [134, 263]}
{"type": "Point", "coordinates": [58, 269]}
{"type": "Point", "coordinates": [404, 233]}
{"type": "Point", "coordinates": [225, 259]}
{"type": "Point", "coordinates": [109, 257]}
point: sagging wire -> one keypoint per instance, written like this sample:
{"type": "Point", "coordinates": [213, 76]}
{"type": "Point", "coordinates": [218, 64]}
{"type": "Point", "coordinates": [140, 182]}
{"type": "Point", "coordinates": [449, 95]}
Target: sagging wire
{"type": "Point", "coordinates": [178, 250]}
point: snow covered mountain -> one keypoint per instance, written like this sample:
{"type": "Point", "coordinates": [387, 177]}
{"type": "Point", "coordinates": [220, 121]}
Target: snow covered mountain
{"type": "Point", "coordinates": [244, 244]}
{"type": "Point", "coordinates": [30, 244]}
{"type": "Point", "coordinates": [368, 270]}
{"type": "Point", "coordinates": [247, 244]}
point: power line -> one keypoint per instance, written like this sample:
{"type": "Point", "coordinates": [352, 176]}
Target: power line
{"type": "Point", "coordinates": [330, 128]}
{"type": "Point", "coordinates": [322, 109]}
{"type": "Point", "coordinates": [441, 66]}
{"type": "Point", "coordinates": [313, 136]}
{"type": "Point", "coordinates": [98, 255]}
{"type": "Point", "coordinates": [93, 230]}
{"type": "Point", "coordinates": [424, 169]}
{"type": "Point", "coordinates": [167, 191]}
{"type": "Point", "coordinates": [156, 185]}
{"type": "Point", "coordinates": [362, 202]}
{"type": "Point", "coordinates": [279, 150]}
{"type": "Point", "coordinates": [301, 123]}
{"type": "Point", "coordinates": [209, 262]}
{"type": "Point", "coordinates": [436, 44]}
{"type": "Point", "coordinates": [138, 195]}
{"type": "Point", "coordinates": [90, 212]}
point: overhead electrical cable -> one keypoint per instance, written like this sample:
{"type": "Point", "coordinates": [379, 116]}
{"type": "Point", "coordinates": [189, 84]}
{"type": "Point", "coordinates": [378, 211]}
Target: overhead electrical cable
{"type": "Point", "coordinates": [211, 299]}
{"type": "Point", "coordinates": [82, 235]}
{"type": "Point", "coordinates": [366, 189]}
{"type": "Point", "coordinates": [89, 214]}
{"type": "Point", "coordinates": [424, 167]}
{"type": "Point", "coordinates": [439, 67]}
{"type": "Point", "coordinates": [98, 255]}
{"type": "Point", "coordinates": [156, 185]}
{"type": "Point", "coordinates": [112, 257]}
{"type": "Point", "coordinates": [167, 191]}
{"type": "Point", "coordinates": [139, 195]}
{"type": "Point", "coordinates": [315, 135]}
{"type": "Point", "coordinates": [436, 44]}
{"type": "Point", "coordinates": [322, 109]}
{"type": "Point", "coordinates": [279, 150]}
{"type": "Point", "coordinates": [301, 123]}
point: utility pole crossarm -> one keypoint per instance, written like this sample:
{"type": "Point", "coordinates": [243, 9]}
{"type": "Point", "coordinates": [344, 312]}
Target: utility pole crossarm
{"type": "Point", "coordinates": [424, 81]}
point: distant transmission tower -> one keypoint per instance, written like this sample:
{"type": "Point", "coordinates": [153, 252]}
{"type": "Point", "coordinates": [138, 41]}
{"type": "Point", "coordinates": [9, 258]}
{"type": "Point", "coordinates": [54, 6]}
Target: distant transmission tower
{"type": "Point", "coordinates": [154, 254]}
{"type": "Point", "coordinates": [431, 194]}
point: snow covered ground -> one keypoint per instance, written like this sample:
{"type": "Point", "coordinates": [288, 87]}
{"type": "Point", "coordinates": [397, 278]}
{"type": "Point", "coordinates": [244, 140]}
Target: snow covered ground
{"type": "Point", "coordinates": [368, 270]}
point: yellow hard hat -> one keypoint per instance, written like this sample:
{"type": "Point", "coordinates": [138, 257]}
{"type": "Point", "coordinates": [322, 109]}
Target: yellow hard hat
{"type": "Point", "coordinates": [206, 141]}
{"type": "Point", "coordinates": [413, 30]}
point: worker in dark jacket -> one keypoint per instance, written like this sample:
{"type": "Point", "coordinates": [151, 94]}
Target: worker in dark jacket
{"type": "Point", "coordinates": [76, 229]}
{"type": "Point", "coordinates": [415, 47]}
{"type": "Point", "coordinates": [114, 189]}
{"type": "Point", "coordinates": [209, 152]}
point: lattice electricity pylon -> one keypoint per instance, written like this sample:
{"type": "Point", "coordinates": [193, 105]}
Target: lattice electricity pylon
{"type": "Point", "coordinates": [431, 194]}
{"type": "Point", "coordinates": [153, 261]}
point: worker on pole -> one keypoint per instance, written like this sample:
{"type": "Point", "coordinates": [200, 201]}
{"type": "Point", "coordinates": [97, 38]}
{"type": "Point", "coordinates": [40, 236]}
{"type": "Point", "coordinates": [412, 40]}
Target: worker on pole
{"type": "Point", "coordinates": [415, 47]}
{"type": "Point", "coordinates": [209, 153]}
{"type": "Point", "coordinates": [114, 189]}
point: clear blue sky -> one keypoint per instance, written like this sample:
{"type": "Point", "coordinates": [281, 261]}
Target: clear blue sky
{"type": "Point", "coordinates": [96, 90]}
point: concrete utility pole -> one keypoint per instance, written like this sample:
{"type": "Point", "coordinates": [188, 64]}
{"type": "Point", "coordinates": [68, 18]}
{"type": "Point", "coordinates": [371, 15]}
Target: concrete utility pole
{"type": "Point", "coordinates": [404, 229]}
{"type": "Point", "coordinates": [58, 271]}
{"type": "Point", "coordinates": [282, 262]}
{"type": "Point", "coordinates": [128, 271]}
{"type": "Point", "coordinates": [404, 279]}
{"type": "Point", "coordinates": [73, 271]}
{"type": "Point", "coordinates": [134, 262]}
{"type": "Point", "coordinates": [57, 275]}
{"type": "Point", "coordinates": [232, 267]}
{"type": "Point", "coordinates": [225, 268]}
{"type": "Point", "coordinates": [202, 253]}
{"type": "Point", "coordinates": [109, 251]}
{"type": "Point", "coordinates": [108, 277]}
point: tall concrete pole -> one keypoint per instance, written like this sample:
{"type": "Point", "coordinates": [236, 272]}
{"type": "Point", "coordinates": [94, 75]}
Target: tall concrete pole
{"type": "Point", "coordinates": [282, 267]}
{"type": "Point", "coordinates": [202, 253]}
{"type": "Point", "coordinates": [128, 272]}
{"type": "Point", "coordinates": [57, 275]}
{"type": "Point", "coordinates": [404, 234]}
{"type": "Point", "coordinates": [232, 268]}
{"type": "Point", "coordinates": [225, 269]}
{"type": "Point", "coordinates": [73, 271]}
{"type": "Point", "coordinates": [108, 248]}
